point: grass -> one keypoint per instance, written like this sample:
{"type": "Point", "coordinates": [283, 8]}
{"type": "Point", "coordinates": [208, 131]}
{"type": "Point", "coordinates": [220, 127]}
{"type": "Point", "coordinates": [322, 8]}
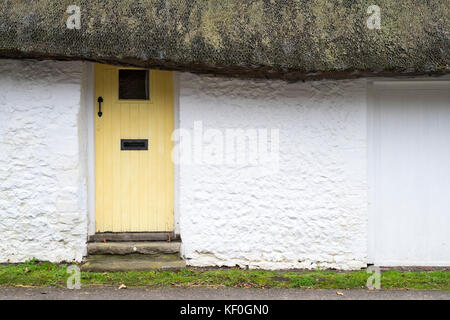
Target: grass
{"type": "Point", "coordinates": [42, 274]}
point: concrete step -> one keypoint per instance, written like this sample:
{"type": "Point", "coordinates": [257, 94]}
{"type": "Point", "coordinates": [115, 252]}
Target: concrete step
{"type": "Point", "coordinates": [132, 262]}
{"type": "Point", "coordinates": [132, 236]}
{"type": "Point", "coordinates": [126, 248]}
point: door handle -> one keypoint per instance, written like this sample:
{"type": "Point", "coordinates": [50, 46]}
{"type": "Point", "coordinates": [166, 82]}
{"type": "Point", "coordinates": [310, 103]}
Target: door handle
{"type": "Point", "coordinates": [100, 100]}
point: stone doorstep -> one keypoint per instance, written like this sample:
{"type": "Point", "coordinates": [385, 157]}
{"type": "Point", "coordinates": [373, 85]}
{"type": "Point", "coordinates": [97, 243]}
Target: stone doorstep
{"type": "Point", "coordinates": [127, 248]}
{"type": "Point", "coordinates": [133, 236]}
{"type": "Point", "coordinates": [132, 262]}
{"type": "Point", "coordinates": [133, 256]}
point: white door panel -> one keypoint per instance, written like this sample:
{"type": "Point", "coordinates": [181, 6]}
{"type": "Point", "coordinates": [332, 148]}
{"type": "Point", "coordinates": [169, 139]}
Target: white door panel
{"type": "Point", "coordinates": [410, 180]}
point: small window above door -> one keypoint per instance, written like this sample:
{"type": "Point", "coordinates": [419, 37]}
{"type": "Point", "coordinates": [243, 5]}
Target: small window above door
{"type": "Point", "coordinates": [134, 84]}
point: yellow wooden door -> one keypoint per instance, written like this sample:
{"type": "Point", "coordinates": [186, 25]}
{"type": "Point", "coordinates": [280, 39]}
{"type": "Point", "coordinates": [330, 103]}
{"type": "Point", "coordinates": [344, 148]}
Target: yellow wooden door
{"type": "Point", "coordinates": [133, 188]}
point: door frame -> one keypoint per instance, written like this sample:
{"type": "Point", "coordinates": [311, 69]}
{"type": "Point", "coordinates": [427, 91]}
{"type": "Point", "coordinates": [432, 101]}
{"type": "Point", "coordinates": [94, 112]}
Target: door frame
{"type": "Point", "coordinates": [372, 110]}
{"type": "Point", "coordinates": [88, 99]}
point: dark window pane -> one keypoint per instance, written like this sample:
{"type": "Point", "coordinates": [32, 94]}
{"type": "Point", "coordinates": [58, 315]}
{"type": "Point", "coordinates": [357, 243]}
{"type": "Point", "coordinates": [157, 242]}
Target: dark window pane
{"type": "Point", "coordinates": [133, 85]}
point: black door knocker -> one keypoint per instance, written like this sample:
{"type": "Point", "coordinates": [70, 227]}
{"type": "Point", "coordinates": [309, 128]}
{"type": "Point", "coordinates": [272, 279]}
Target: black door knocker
{"type": "Point", "coordinates": [100, 100]}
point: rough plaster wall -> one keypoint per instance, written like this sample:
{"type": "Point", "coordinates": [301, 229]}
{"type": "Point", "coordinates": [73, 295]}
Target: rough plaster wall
{"type": "Point", "coordinates": [313, 211]}
{"type": "Point", "coordinates": [42, 170]}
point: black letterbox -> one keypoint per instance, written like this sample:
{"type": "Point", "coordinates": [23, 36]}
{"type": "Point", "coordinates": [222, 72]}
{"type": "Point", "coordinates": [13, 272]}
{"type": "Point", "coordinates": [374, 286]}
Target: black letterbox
{"type": "Point", "coordinates": [134, 144]}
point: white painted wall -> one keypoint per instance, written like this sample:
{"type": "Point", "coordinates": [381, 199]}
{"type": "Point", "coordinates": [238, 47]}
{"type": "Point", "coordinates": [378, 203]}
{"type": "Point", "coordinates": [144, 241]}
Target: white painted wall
{"type": "Point", "coordinates": [310, 213]}
{"type": "Point", "coordinates": [313, 211]}
{"type": "Point", "coordinates": [42, 161]}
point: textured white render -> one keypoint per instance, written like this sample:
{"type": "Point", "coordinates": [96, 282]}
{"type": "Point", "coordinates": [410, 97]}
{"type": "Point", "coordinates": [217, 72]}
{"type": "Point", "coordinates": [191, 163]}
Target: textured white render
{"type": "Point", "coordinates": [313, 211]}
{"type": "Point", "coordinates": [310, 213]}
{"type": "Point", "coordinates": [42, 161]}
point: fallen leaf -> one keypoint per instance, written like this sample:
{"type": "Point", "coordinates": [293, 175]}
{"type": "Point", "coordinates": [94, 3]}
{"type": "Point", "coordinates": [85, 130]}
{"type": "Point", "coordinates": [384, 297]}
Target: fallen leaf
{"type": "Point", "coordinates": [122, 286]}
{"type": "Point", "coordinates": [339, 293]}
{"type": "Point", "coordinates": [24, 286]}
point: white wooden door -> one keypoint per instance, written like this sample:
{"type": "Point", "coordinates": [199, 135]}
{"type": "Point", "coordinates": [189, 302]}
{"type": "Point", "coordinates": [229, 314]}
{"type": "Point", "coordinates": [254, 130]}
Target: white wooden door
{"type": "Point", "coordinates": [409, 173]}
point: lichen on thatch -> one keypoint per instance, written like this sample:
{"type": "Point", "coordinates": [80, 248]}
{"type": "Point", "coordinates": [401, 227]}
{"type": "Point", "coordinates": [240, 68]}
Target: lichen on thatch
{"type": "Point", "coordinates": [290, 39]}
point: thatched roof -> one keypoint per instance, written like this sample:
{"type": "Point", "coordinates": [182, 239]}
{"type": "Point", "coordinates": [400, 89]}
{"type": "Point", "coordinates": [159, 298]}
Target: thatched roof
{"type": "Point", "coordinates": [290, 39]}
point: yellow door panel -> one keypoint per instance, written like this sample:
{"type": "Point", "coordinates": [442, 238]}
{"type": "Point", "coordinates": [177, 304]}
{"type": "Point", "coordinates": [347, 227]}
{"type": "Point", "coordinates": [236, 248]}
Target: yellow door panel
{"type": "Point", "coordinates": [133, 188]}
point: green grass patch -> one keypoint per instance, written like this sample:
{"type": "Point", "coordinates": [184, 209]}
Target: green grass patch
{"type": "Point", "coordinates": [40, 274]}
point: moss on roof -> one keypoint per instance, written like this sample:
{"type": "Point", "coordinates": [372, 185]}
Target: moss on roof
{"type": "Point", "coordinates": [289, 39]}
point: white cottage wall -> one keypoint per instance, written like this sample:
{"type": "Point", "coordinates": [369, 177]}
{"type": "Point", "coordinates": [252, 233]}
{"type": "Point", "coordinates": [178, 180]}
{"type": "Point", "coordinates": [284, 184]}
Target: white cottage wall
{"type": "Point", "coordinates": [310, 213]}
{"type": "Point", "coordinates": [43, 136]}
